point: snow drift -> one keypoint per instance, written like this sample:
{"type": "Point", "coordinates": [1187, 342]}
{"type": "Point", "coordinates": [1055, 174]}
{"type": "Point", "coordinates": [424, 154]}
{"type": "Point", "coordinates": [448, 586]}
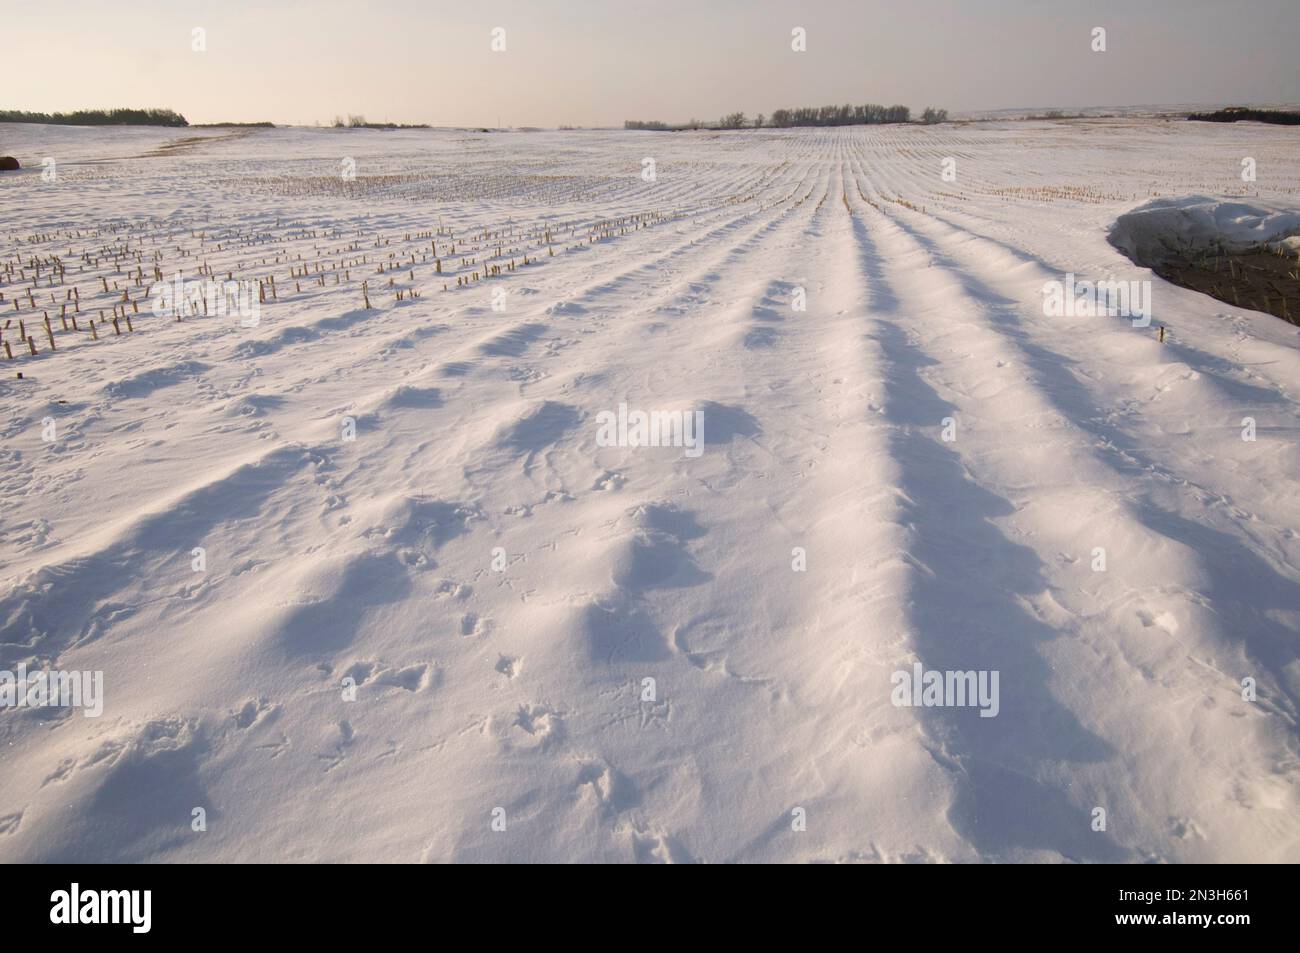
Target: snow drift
{"type": "Point", "coordinates": [1168, 228]}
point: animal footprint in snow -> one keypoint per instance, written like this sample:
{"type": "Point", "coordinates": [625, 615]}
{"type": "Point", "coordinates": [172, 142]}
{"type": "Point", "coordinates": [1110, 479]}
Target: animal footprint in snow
{"type": "Point", "coordinates": [337, 741]}
{"type": "Point", "coordinates": [412, 678]}
{"type": "Point", "coordinates": [528, 727]}
{"type": "Point", "coordinates": [415, 559]}
{"type": "Point", "coordinates": [454, 590]}
{"type": "Point", "coordinates": [254, 711]}
{"type": "Point", "coordinates": [655, 847]}
{"type": "Point", "coordinates": [612, 790]}
{"type": "Point", "coordinates": [1163, 620]}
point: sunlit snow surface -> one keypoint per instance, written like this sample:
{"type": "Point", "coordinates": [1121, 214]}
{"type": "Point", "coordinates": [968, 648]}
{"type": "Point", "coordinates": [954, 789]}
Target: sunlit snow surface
{"type": "Point", "coordinates": [520, 696]}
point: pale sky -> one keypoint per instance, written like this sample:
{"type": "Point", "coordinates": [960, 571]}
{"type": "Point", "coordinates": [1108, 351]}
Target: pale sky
{"type": "Point", "coordinates": [598, 62]}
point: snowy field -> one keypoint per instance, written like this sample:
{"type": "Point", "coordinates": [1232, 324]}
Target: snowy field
{"type": "Point", "coordinates": [376, 584]}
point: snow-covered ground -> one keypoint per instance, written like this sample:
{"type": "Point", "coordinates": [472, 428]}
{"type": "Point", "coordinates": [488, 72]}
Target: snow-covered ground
{"type": "Point", "coordinates": [478, 632]}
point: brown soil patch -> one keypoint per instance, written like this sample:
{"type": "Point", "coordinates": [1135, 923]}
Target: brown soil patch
{"type": "Point", "coordinates": [1261, 279]}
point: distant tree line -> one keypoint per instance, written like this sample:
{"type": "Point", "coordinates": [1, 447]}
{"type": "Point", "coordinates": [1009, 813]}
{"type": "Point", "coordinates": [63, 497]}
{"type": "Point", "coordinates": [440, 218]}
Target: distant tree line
{"type": "Point", "coordinates": [98, 117]}
{"type": "Point", "coordinates": [867, 114]}
{"type": "Point", "coordinates": [1237, 113]}
{"type": "Point", "coordinates": [359, 122]}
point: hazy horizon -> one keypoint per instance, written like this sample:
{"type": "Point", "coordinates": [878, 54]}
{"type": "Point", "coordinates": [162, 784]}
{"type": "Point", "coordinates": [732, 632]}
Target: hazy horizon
{"type": "Point", "coordinates": [588, 64]}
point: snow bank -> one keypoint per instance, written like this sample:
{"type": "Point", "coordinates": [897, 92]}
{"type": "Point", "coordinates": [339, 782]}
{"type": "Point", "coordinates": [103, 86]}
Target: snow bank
{"type": "Point", "coordinates": [1163, 229]}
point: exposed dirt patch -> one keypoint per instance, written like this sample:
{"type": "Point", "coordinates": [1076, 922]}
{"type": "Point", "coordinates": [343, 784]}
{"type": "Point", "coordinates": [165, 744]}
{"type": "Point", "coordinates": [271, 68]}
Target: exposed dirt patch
{"type": "Point", "coordinates": [1261, 279]}
{"type": "Point", "coordinates": [189, 142]}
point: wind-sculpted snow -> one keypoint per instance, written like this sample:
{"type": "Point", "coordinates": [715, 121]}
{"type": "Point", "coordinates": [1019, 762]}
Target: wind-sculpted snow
{"type": "Point", "coordinates": [548, 511]}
